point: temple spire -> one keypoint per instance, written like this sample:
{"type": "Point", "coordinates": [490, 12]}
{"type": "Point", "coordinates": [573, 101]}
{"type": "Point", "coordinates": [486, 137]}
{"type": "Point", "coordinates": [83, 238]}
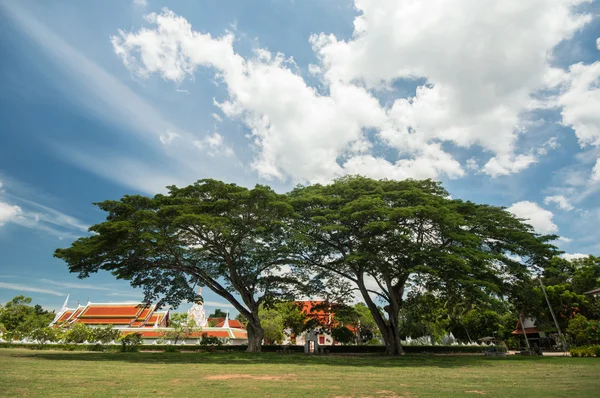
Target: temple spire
{"type": "Point", "coordinates": [226, 322]}
{"type": "Point", "coordinates": [62, 310]}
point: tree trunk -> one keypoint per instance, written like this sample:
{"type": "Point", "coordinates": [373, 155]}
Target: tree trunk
{"type": "Point", "coordinates": [388, 328]}
{"type": "Point", "coordinates": [255, 337]}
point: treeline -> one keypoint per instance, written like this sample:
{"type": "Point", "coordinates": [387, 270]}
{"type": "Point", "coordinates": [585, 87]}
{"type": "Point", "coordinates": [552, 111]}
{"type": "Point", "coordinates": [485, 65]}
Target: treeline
{"type": "Point", "coordinates": [395, 245]}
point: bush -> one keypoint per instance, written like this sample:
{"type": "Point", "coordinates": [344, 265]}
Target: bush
{"type": "Point", "coordinates": [131, 342]}
{"type": "Point", "coordinates": [78, 333]}
{"type": "Point", "coordinates": [171, 348]}
{"type": "Point", "coordinates": [585, 351]}
{"type": "Point", "coordinates": [210, 340]}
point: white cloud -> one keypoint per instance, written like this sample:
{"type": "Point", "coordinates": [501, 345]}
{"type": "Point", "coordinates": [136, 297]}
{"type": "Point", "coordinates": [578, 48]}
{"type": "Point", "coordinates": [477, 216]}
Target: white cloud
{"type": "Point", "coordinates": [168, 137]}
{"type": "Point", "coordinates": [540, 219]}
{"type": "Point", "coordinates": [214, 145]}
{"type": "Point", "coordinates": [217, 304]}
{"type": "Point", "coordinates": [25, 288]}
{"type": "Point", "coordinates": [580, 101]}
{"type": "Point", "coordinates": [479, 84]}
{"type": "Point", "coordinates": [8, 213]}
{"type": "Point", "coordinates": [75, 285]}
{"type": "Point", "coordinates": [141, 3]}
{"type": "Point", "coordinates": [30, 214]}
{"type": "Point", "coordinates": [573, 256]}
{"type": "Point", "coordinates": [595, 177]}
{"type": "Point", "coordinates": [598, 43]}
{"type": "Point", "coordinates": [565, 239]}
{"type": "Point", "coordinates": [560, 201]}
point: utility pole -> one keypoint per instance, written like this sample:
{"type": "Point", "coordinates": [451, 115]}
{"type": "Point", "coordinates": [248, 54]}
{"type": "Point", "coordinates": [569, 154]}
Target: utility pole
{"type": "Point", "coordinates": [562, 338]}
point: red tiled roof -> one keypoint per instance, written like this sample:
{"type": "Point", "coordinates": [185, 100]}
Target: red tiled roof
{"type": "Point", "coordinates": [65, 315]}
{"type": "Point", "coordinates": [108, 310]}
{"type": "Point", "coordinates": [316, 310]}
{"type": "Point", "coordinates": [103, 321]}
{"type": "Point", "coordinates": [233, 323]}
{"type": "Point", "coordinates": [240, 334]}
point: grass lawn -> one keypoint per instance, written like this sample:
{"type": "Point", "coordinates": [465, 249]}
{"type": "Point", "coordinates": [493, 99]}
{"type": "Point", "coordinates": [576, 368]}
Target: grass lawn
{"type": "Point", "coordinates": [56, 373]}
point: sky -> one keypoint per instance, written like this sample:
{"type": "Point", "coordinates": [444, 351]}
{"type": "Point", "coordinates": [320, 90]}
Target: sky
{"type": "Point", "coordinates": [498, 100]}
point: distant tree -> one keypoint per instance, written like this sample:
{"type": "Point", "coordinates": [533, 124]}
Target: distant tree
{"type": "Point", "coordinates": [342, 335]}
{"type": "Point", "coordinates": [578, 329]}
{"type": "Point", "coordinates": [105, 334]}
{"type": "Point", "coordinates": [78, 333]}
{"type": "Point", "coordinates": [19, 318]}
{"type": "Point", "coordinates": [181, 328]}
{"type": "Point", "coordinates": [44, 335]}
{"type": "Point", "coordinates": [229, 238]}
{"type": "Point", "coordinates": [131, 342]}
{"type": "Point", "coordinates": [218, 313]}
{"type": "Point", "coordinates": [272, 321]}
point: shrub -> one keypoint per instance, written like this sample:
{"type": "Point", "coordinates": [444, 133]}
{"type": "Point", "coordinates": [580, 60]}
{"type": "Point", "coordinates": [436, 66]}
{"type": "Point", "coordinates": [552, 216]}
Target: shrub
{"type": "Point", "coordinates": [131, 342]}
{"type": "Point", "coordinates": [105, 334]}
{"type": "Point", "coordinates": [78, 333]}
{"type": "Point", "coordinates": [171, 348]}
{"type": "Point", "coordinates": [585, 351]}
{"type": "Point", "coordinates": [210, 340]}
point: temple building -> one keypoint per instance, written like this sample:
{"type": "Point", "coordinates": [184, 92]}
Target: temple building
{"type": "Point", "coordinates": [148, 322]}
{"type": "Point", "coordinates": [322, 314]}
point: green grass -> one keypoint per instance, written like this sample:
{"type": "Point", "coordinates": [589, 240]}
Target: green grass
{"type": "Point", "coordinates": [56, 373]}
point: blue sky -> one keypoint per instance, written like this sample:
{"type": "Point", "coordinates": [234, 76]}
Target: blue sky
{"type": "Point", "coordinates": [500, 101]}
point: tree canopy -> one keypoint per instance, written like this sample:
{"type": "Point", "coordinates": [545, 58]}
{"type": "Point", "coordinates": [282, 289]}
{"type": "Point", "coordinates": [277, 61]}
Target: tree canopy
{"type": "Point", "coordinates": [226, 237]}
{"type": "Point", "coordinates": [386, 236]}
{"type": "Point", "coordinates": [255, 247]}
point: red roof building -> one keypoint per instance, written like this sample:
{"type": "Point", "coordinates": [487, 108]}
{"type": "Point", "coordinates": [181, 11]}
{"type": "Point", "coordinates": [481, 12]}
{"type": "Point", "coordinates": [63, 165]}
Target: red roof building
{"type": "Point", "coordinates": [144, 319]}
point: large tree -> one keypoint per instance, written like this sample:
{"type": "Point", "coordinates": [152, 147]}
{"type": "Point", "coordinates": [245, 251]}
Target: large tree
{"type": "Point", "coordinates": [226, 237]}
{"type": "Point", "coordinates": [386, 236]}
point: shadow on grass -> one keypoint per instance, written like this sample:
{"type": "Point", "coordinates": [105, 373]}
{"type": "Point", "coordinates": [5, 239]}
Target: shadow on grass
{"type": "Point", "coordinates": [237, 358]}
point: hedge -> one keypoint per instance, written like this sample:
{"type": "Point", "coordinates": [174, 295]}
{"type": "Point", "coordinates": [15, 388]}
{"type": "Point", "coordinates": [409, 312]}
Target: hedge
{"type": "Point", "coordinates": [337, 349]}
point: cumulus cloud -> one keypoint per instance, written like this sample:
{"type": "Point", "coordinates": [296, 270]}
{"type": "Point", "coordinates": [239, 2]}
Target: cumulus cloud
{"type": "Point", "coordinates": [573, 256]}
{"type": "Point", "coordinates": [560, 201]}
{"type": "Point", "coordinates": [477, 87]}
{"type": "Point", "coordinates": [214, 145]}
{"type": "Point", "coordinates": [580, 101]}
{"type": "Point", "coordinates": [540, 219]}
{"type": "Point", "coordinates": [8, 212]}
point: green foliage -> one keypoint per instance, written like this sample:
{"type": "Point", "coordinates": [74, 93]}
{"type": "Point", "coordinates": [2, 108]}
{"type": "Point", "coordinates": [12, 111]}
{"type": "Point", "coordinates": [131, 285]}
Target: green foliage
{"type": "Point", "coordinates": [44, 335]}
{"type": "Point", "coordinates": [226, 237]}
{"type": "Point", "coordinates": [18, 318]}
{"type": "Point", "coordinates": [585, 351]}
{"type": "Point", "coordinates": [181, 328]}
{"type": "Point", "coordinates": [171, 348]}
{"type": "Point", "coordinates": [342, 335]}
{"type": "Point", "coordinates": [105, 334]}
{"type": "Point", "coordinates": [210, 340]}
{"type": "Point", "coordinates": [131, 342]}
{"type": "Point", "coordinates": [78, 333]}
{"type": "Point", "coordinates": [584, 331]}
{"type": "Point", "coordinates": [272, 322]}
{"type": "Point", "coordinates": [400, 233]}
{"type": "Point", "coordinates": [218, 313]}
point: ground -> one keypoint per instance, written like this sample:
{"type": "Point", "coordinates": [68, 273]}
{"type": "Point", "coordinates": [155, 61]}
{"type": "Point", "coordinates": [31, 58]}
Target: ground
{"type": "Point", "coordinates": [56, 373]}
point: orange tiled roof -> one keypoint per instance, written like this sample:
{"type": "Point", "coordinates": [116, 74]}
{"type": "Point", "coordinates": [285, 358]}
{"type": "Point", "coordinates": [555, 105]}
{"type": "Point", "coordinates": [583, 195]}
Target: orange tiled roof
{"type": "Point", "coordinates": [64, 316]}
{"type": "Point", "coordinates": [103, 321]}
{"type": "Point", "coordinates": [233, 323]}
{"type": "Point", "coordinates": [112, 310]}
